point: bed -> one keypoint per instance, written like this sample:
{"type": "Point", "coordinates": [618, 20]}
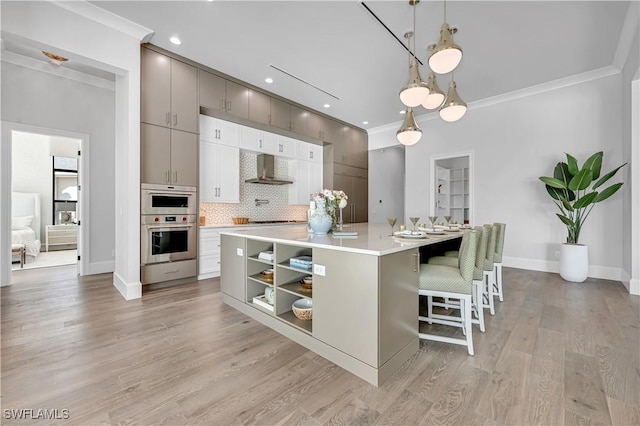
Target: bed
{"type": "Point", "coordinates": [25, 221]}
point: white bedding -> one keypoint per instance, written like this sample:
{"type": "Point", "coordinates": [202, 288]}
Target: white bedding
{"type": "Point", "coordinates": [28, 238]}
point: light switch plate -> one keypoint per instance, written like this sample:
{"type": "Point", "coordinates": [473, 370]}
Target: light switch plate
{"type": "Point", "coordinates": [318, 269]}
{"type": "Point", "coordinates": [239, 252]}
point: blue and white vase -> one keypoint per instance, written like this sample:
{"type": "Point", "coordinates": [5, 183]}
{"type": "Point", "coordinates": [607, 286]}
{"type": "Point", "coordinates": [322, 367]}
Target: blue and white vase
{"type": "Point", "coordinates": [320, 221]}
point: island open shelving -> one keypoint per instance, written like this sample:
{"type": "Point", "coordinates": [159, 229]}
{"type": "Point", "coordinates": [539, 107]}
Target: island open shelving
{"type": "Point", "coordinates": [365, 292]}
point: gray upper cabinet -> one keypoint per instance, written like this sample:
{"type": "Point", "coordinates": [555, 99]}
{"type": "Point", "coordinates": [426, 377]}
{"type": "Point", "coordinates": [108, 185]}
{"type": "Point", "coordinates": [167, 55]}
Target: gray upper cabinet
{"type": "Point", "coordinates": [213, 91]}
{"type": "Point", "coordinates": [168, 156]}
{"type": "Point", "coordinates": [353, 150]}
{"type": "Point", "coordinates": [155, 154]}
{"type": "Point", "coordinates": [223, 95]}
{"type": "Point", "coordinates": [169, 92]}
{"type": "Point", "coordinates": [280, 114]}
{"type": "Point", "coordinates": [299, 120]}
{"type": "Point", "coordinates": [237, 100]}
{"type": "Point", "coordinates": [184, 155]}
{"type": "Point", "coordinates": [259, 107]}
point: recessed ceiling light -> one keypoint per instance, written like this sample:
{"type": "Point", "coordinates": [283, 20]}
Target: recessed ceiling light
{"type": "Point", "coordinates": [268, 80]}
{"type": "Point", "coordinates": [403, 112]}
{"type": "Point", "coordinates": [175, 40]}
{"type": "Point", "coordinates": [327, 105]}
{"type": "Point", "coordinates": [365, 122]}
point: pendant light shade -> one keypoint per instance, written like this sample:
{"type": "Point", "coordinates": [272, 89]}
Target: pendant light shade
{"type": "Point", "coordinates": [409, 133]}
{"type": "Point", "coordinates": [454, 107]}
{"type": "Point", "coordinates": [436, 95]}
{"type": "Point", "coordinates": [446, 55]}
{"type": "Point", "coordinates": [415, 92]}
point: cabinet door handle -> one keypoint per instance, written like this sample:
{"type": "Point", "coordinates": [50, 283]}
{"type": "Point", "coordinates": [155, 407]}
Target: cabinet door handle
{"type": "Point", "coordinates": [310, 154]}
{"type": "Point", "coordinates": [417, 264]}
{"type": "Point", "coordinates": [260, 143]}
{"type": "Point", "coordinates": [269, 118]}
{"type": "Point", "coordinates": [229, 106]}
{"type": "Point", "coordinates": [168, 118]}
{"type": "Point", "coordinates": [175, 119]}
{"type": "Point", "coordinates": [222, 103]}
{"type": "Point", "coordinates": [175, 174]}
{"type": "Point", "coordinates": [167, 177]}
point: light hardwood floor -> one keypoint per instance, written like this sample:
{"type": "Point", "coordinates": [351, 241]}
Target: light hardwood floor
{"type": "Point", "coordinates": [554, 353]}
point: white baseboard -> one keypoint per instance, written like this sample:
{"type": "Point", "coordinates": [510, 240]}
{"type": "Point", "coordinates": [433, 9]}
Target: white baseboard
{"type": "Point", "coordinates": [208, 275]}
{"type": "Point", "coordinates": [128, 290]}
{"type": "Point", "coordinates": [100, 267]}
{"type": "Point", "coordinates": [632, 285]}
{"type": "Point", "coordinates": [595, 271]}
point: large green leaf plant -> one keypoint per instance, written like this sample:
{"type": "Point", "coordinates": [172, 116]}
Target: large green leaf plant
{"type": "Point", "coordinates": [574, 191]}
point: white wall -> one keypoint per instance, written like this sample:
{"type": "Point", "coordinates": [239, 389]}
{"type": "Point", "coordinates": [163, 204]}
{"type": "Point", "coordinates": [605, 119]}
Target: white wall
{"type": "Point", "coordinates": [516, 141]}
{"type": "Point", "coordinates": [386, 190]}
{"type": "Point", "coordinates": [32, 171]}
{"type": "Point", "coordinates": [111, 43]}
{"type": "Point", "coordinates": [41, 99]}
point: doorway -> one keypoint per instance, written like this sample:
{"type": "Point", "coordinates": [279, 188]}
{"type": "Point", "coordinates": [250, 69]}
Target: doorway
{"type": "Point", "coordinates": [452, 188]}
{"type": "Point", "coordinates": [48, 203]}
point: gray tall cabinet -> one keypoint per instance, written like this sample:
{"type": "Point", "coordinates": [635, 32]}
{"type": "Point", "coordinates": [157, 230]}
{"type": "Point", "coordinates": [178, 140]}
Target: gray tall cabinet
{"type": "Point", "coordinates": [169, 116]}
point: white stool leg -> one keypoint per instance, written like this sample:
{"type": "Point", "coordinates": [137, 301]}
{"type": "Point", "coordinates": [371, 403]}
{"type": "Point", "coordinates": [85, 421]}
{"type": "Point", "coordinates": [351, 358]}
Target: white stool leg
{"type": "Point", "coordinates": [477, 303]}
{"type": "Point", "coordinates": [488, 291]}
{"type": "Point", "coordinates": [465, 309]}
{"type": "Point", "coordinates": [498, 280]}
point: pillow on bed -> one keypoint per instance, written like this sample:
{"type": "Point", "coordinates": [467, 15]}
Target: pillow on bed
{"type": "Point", "coordinates": [21, 222]}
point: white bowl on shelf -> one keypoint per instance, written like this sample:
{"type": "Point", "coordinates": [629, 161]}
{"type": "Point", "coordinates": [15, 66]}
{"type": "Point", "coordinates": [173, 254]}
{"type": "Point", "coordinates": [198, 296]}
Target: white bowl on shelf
{"type": "Point", "coordinates": [303, 309]}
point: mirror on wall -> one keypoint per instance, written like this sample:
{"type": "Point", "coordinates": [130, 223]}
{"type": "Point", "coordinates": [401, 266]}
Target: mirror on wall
{"type": "Point", "coordinates": [452, 189]}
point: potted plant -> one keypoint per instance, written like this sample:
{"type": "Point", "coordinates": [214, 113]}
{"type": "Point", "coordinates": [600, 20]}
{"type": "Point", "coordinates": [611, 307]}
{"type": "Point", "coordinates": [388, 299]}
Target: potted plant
{"type": "Point", "coordinates": [575, 191]}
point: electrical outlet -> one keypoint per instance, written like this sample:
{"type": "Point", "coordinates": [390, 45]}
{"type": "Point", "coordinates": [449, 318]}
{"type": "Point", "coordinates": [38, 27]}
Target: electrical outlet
{"type": "Point", "coordinates": [239, 252]}
{"type": "Point", "coordinates": [319, 270]}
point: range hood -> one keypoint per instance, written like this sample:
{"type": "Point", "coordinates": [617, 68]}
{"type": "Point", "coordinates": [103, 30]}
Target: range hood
{"type": "Point", "coordinates": [265, 168]}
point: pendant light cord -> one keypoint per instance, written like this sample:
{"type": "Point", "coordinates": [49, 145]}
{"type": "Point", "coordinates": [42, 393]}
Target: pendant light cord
{"type": "Point", "coordinates": [445, 11]}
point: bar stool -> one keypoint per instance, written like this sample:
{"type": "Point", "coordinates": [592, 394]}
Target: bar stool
{"type": "Point", "coordinates": [478, 278]}
{"type": "Point", "coordinates": [488, 272]}
{"type": "Point", "coordinates": [455, 283]}
{"type": "Point", "coordinates": [497, 260]}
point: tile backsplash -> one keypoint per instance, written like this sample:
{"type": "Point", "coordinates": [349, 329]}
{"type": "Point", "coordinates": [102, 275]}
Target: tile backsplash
{"type": "Point", "coordinates": [278, 196]}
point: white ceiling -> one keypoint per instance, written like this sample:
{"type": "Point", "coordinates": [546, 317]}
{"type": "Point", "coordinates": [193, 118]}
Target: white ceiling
{"type": "Point", "coordinates": [339, 47]}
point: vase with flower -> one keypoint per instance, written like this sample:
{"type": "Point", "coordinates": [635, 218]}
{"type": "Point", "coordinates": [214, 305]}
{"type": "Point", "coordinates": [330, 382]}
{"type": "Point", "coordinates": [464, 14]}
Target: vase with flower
{"type": "Point", "coordinates": [327, 202]}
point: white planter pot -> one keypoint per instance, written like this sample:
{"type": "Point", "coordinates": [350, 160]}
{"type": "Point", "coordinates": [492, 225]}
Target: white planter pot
{"type": "Point", "coordinates": [574, 262]}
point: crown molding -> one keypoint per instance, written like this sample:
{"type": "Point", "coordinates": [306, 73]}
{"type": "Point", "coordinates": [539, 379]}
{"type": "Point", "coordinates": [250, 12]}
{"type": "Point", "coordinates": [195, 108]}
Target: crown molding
{"type": "Point", "coordinates": [627, 35]}
{"type": "Point", "coordinates": [46, 67]}
{"type": "Point", "coordinates": [510, 96]}
{"type": "Point", "coordinates": [107, 18]}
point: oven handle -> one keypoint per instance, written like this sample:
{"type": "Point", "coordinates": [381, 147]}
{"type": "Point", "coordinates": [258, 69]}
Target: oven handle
{"type": "Point", "coordinates": [187, 226]}
{"type": "Point", "coordinates": [186, 194]}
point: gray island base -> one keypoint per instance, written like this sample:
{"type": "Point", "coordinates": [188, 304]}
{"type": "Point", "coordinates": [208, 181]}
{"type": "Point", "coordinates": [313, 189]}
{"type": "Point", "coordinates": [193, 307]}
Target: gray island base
{"type": "Point", "coordinates": [365, 291]}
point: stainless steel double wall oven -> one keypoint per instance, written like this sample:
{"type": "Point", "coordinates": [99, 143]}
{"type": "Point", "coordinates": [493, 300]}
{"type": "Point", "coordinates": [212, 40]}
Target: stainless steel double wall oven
{"type": "Point", "coordinates": [168, 235]}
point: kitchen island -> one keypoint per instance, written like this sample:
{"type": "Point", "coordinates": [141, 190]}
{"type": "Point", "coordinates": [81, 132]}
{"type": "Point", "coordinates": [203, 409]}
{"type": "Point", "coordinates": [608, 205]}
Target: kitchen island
{"type": "Point", "coordinates": [365, 291]}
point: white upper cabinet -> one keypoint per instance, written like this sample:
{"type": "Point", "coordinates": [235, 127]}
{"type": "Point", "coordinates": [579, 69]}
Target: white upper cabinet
{"type": "Point", "coordinates": [219, 131]}
{"type": "Point", "coordinates": [258, 140]}
{"type": "Point", "coordinates": [307, 179]}
{"type": "Point", "coordinates": [219, 173]}
{"type": "Point", "coordinates": [287, 147]}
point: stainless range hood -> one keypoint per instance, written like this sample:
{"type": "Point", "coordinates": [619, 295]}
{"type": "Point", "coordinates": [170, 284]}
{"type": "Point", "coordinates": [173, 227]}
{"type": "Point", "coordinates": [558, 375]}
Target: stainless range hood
{"type": "Point", "coordinates": [265, 171]}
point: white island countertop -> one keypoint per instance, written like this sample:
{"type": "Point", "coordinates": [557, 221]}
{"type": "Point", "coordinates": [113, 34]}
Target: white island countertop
{"type": "Point", "coordinates": [373, 238]}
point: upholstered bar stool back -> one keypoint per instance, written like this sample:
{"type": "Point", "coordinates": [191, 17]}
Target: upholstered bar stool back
{"type": "Point", "coordinates": [489, 275]}
{"type": "Point", "coordinates": [497, 260]}
{"type": "Point", "coordinates": [478, 278]}
{"type": "Point", "coordinates": [455, 283]}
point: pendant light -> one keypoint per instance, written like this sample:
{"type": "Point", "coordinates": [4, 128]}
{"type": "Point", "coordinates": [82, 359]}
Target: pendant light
{"type": "Point", "coordinates": [409, 133]}
{"type": "Point", "coordinates": [453, 108]}
{"type": "Point", "coordinates": [446, 55]}
{"type": "Point", "coordinates": [415, 91]}
{"type": "Point", "coordinates": [436, 95]}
